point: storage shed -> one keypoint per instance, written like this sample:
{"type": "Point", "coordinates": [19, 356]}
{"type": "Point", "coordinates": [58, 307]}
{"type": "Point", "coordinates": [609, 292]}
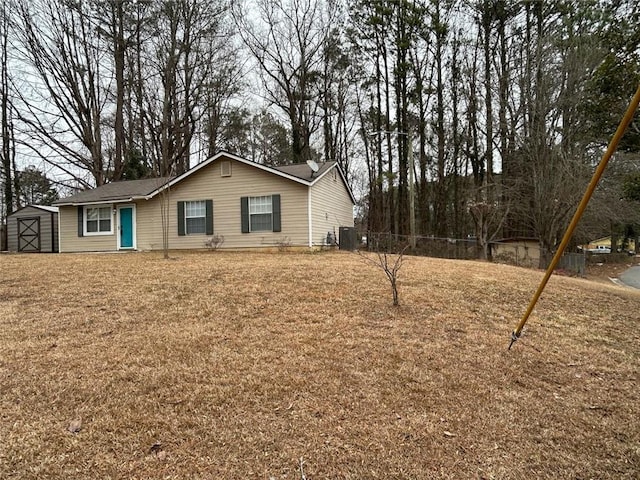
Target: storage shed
{"type": "Point", "coordinates": [33, 228]}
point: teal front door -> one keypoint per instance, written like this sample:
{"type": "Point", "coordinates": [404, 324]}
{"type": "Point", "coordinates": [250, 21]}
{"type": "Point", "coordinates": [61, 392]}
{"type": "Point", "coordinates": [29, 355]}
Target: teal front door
{"type": "Point", "coordinates": [126, 227]}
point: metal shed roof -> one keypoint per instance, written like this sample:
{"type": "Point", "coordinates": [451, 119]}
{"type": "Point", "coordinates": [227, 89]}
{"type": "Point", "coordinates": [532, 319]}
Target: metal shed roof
{"type": "Point", "coordinates": [45, 208]}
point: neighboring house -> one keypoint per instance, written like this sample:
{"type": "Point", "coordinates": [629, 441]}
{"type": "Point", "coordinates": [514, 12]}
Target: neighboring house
{"type": "Point", "coordinates": [604, 243]}
{"type": "Point", "coordinates": [33, 228]}
{"type": "Point", "coordinates": [594, 245]}
{"type": "Point", "coordinates": [250, 204]}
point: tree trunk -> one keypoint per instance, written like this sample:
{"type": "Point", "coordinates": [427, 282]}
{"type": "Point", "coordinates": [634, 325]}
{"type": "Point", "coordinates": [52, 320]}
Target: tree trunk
{"type": "Point", "coordinates": [488, 100]}
{"type": "Point", "coordinates": [7, 130]}
{"type": "Point", "coordinates": [455, 121]}
{"type": "Point", "coordinates": [119, 65]}
{"type": "Point", "coordinates": [441, 181]}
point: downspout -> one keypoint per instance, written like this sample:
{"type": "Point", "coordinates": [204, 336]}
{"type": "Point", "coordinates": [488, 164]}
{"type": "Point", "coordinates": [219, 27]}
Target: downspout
{"type": "Point", "coordinates": [53, 242]}
{"type": "Point", "coordinates": [58, 220]}
{"type": "Point", "coordinates": [309, 217]}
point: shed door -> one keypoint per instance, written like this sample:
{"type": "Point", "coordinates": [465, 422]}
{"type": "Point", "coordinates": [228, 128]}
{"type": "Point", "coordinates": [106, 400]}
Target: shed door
{"type": "Point", "coordinates": [29, 234]}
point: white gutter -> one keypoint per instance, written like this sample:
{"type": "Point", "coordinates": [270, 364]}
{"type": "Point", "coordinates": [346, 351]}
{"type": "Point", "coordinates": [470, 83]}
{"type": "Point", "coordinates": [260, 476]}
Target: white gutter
{"type": "Point", "coordinates": [102, 202]}
{"type": "Point", "coordinates": [309, 217]}
{"type": "Point", "coordinates": [59, 246]}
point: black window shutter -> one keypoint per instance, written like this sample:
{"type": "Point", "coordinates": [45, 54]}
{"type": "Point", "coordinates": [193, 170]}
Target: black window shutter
{"type": "Point", "coordinates": [209, 217]}
{"type": "Point", "coordinates": [275, 209]}
{"type": "Point", "coordinates": [244, 214]}
{"type": "Point", "coordinates": [181, 218]}
{"type": "Point", "coordinates": [80, 221]}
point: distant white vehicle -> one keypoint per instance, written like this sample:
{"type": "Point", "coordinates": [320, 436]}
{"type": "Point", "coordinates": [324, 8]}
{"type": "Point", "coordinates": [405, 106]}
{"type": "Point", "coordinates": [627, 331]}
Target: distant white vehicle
{"type": "Point", "coordinates": [600, 249]}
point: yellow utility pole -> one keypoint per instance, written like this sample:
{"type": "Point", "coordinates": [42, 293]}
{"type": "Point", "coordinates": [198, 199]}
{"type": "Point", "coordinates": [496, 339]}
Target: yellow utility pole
{"type": "Point", "coordinates": [624, 123]}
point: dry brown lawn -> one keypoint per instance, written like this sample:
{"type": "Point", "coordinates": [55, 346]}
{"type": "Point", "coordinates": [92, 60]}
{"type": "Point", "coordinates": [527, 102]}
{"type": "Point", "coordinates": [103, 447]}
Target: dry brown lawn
{"type": "Point", "coordinates": [245, 365]}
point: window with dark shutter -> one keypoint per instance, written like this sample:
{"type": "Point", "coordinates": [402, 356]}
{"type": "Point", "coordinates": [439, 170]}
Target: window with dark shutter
{"type": "Point", "coordinates": [275, 208]}
{"type": "Point", "coordinates": [260, 214]}
{"type": "Point", "coordinates": [80, 221]}
{"type": "Point", "coordinates": [209, 217]}
{"type": "Point", "coordinates": [195, 217]}
{"type": "Point", "coordinates": [244, 214]}
{"type": "Point", "coordinates": [181, 230]}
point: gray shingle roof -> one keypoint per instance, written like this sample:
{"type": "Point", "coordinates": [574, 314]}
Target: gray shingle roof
{"type": "Point", "coordinates": [303, 171]}
{"type": "Point", "coordinates": [135, 189]}
{"type": "Point", "coordinates": [116, 191]}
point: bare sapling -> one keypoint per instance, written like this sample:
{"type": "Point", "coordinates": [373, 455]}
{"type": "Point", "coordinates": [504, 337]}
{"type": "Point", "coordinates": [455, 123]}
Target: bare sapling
{"type": "Point", "coordinates": [390, 265]}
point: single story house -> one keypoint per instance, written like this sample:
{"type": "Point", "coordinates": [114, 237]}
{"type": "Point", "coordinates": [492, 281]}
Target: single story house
{"type": "Point", "coordinates": [249, 204]}
{"type": "Point", "coordinates": [33, 228]}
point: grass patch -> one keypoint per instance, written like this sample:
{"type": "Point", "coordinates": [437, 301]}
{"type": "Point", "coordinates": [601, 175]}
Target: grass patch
{"type": "Point", "coordinates": [245, 365]}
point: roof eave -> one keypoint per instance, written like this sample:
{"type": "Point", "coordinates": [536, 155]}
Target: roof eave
{"type": "Point", "coordinates": [102, 201]}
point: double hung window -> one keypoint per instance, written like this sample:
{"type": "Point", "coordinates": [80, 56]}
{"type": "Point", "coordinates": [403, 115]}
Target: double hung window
{"type": "Point", "coordinates": [195, 217]}
{"type": "Point", "coordinates": [260, 214]}
{"type": "Point", "coordinates": [98, 221]}
{"type": "Point", "coordinates": [195, 214]}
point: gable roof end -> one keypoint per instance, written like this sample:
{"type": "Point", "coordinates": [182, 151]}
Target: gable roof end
{"type": "Point", "coordinates": [230, 156]}
{"type": "Point", "coordinates": [129, 190]}
{"type": "Point", "coordinates": [299, 173]}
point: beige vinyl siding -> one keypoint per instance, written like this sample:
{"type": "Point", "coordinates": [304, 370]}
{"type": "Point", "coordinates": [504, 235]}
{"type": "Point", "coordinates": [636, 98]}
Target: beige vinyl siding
{"type": "Point", "coordinates": [208, 184]}
{"type": "Point", "coordinates": [71, 242]}
{"type": "Point", "coordinates": [148, 225]}
{"type": "Point", "coordinates": [48, 228]}
{"type": "Point", "coordinates": [331, 206]}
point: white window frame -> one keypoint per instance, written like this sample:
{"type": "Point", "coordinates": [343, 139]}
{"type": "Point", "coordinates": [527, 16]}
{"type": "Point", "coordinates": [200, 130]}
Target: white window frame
{"type": "Point", "coordinates": [99, 232]}
{"type": "Point", "coordinates": [203, 216]}
{"type": "Point", "coordinates": [251, 213]}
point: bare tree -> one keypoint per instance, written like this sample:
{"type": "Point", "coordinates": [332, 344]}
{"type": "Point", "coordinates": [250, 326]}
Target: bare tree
{"type": "Point", "coordinates": [556, 160]}
{"type": "Point", "coordinates": [368, 37]}
{"type": "Point", "coordinates": [337, 96]}
{"type": "Point", "coordinates": [441, 28]}
{"type": "Point", "coordinates": [488, 219]}
{"type": "Point", "coordinates": [64, 101]}
{"type": "Point", "coordinates": [287, 41]}
{"type": "Point", "coordinates": [7, 152]}
{"type": "Point", "coordinates": [120, 23]}
{"type": "Point", "coordinates": [178, 65]}
{"type": "Point", "coordinates": [390, 264]}
{"type": "Point", "coordinates": [223, 87]}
